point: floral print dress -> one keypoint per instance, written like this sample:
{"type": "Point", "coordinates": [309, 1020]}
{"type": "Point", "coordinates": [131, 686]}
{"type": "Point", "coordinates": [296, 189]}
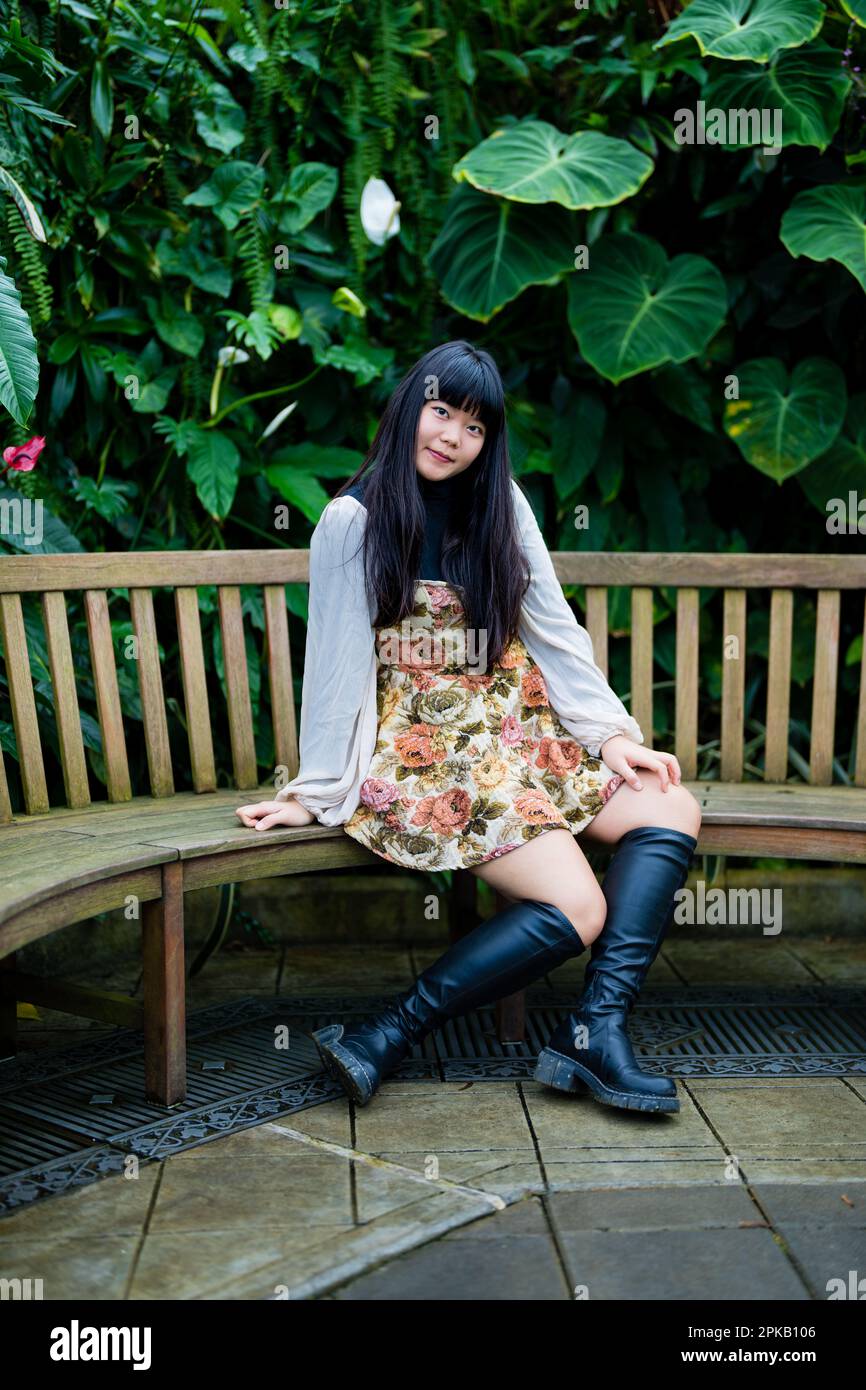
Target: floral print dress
{"type": "Point", "coordinates": [470, 761]}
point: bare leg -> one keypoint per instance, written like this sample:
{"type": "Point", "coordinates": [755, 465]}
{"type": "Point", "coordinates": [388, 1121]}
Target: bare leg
{"type": "Point", "coordinates": [552, 868]}
{"type": "Point", "coordinates": [676, 808]}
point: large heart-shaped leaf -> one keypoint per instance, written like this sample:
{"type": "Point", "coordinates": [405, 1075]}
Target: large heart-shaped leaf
{"type": "Point", "coordinates": [829, 224]}
{"type": "Point", "coordinates": [489, 249]}
{"type": "Point", "coordinates": [807, 85]}
{"type": "Point", "coordinates": [212, 465]}
{"type": "Point", "coordinates": [19, 365]}
{"type": "Point", "coordinates": [746, 29]}
{"type": "Point", "coordinates": [779, 424]}
{"type": "Point", "coordinates": [633, 309]}
{"type": "Point", "coordinates": [533, 162]}
{"type": "Point", "coordinates": [856, 9]}
{"type": "Point", "coordinates": [231, 189]}
{"type": "Point", "coordinates": [842, 469]}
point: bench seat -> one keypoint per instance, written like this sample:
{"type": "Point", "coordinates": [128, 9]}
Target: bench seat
{"type": "Point", "coordinates": [106, 851]}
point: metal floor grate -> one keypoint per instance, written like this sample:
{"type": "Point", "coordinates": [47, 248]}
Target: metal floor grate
{"type": "Point", "coordinates": [68, 1118]}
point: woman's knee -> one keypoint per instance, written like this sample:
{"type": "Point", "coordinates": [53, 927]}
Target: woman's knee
{"type": "Point", "coordinates": [677, 807]}
{"type": "Point", "coordinates": [586, 911]}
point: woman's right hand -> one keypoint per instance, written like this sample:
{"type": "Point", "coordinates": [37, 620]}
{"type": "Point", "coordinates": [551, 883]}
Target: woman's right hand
{"type": "Point", "coordinates": [261, 815]}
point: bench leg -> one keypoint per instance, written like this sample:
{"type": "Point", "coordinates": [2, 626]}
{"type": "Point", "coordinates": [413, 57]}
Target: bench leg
{"type": "Point", "coordinates": [165, 991]}
{"type": "Point", "coordinates": [510, 1017]}
{"type": "Point", "coordinates": [463, 905]}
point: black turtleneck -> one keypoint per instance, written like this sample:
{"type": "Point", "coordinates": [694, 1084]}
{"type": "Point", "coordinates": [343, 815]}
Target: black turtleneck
{"type": "Point", "coordinates": [438, 497]}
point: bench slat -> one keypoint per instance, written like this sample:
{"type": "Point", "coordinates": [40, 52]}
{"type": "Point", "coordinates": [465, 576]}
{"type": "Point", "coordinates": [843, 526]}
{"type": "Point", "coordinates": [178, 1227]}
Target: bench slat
{"type": "Point", "coordinates": [66, 708]}
{"type": "Point", "coordinates": [650, 568]}
{"type": "Point", "coordinates": [107, 695]}
{"type": "Point", "coordinates": [596, 624]}
{"type": "Point", "coordinates": [195, 695]}
{"type": "Point", "coordinates": [779, 685]}
{"type": "Point", "coordinates": [642, 661]}
{"type": "Point", "coordinates": [733, 683]}
{"type": "Point", "coordinates": [824, 688]}
{"type": "Point", "coordinates": [152, 694]}
{"type": "Point", "coordinates": [5, 798]}
{"type": "Point", "coordinates": [30, 763]}
{"type": "Point", "coordinates": [237, 687]}
{"type": "Point", "coordinates": [688, 642]}
{"type": "Point", "coordinates": [280, 677]}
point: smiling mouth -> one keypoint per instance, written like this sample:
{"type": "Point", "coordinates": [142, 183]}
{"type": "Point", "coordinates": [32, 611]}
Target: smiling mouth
{"type": "Point", "coordinates": [443, 458]}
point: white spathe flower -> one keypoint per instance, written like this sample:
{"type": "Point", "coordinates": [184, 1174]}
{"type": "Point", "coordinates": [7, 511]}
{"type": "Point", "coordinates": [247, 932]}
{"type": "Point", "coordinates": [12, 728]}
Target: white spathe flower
{"type": "Point", "coordinates": [231, 356]}
{"type": "Point", "coordinates": [379, 212]}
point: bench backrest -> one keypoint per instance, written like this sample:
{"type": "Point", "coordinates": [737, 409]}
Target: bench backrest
{"type": "Point", "coordinates": [98, 577]}
{"type": "Point", "coordinates": [94, 576]}
{"type": "Point", "coordinates": [733, 575]}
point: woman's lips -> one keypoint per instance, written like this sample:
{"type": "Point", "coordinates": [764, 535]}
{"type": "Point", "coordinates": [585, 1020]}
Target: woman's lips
{"type": "Point", "coordinates": [441, 457]}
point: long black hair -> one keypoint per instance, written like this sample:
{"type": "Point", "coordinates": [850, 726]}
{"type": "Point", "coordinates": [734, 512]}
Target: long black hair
{"type": "Point", "coordinates": [481, 551]}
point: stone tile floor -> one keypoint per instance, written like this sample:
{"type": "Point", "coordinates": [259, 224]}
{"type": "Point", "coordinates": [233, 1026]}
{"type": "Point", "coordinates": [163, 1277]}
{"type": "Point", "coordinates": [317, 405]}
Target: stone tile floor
{"type": "Point", "coordinates": [498, 1190]}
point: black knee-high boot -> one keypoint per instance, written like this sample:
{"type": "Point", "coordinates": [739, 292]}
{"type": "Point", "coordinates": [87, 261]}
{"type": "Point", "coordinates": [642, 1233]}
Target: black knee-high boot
{"type": "Point", "coordinates": [497, 958]}
{"type": "Point", "coordinates": [590, 1049]}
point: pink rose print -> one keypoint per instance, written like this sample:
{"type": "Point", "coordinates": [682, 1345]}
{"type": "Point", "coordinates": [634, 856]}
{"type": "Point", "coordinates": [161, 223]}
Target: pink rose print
{"type": "Point", "coordinates": [416, 749]}
{"type": "Point", "coordinates": [500, 850]}
{"type": "Point", "coordinates": [377, 793]}
{"type": "Point", "coordinates": [537, 809]}
{"type": "Point", "coordinates": [445, 814]}
{"type": "Point", "coordinates": [511, 732]}
{"type": "Point", "coordinates": [560, 756]}
{"type": "Point", "coordinates": [533, 689]}
{"type": "Point", "coordinates": [610, 787]}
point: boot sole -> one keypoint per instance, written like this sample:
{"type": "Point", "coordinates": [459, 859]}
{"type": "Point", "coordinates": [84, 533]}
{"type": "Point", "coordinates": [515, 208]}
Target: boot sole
{"type": "Point", "coordinates": [340, 1063]}
{"type": "Point", "coordinates": [562, 1074]}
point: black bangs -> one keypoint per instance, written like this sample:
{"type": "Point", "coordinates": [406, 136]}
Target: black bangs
{"type": "Point", "coordinates": [466, 384]}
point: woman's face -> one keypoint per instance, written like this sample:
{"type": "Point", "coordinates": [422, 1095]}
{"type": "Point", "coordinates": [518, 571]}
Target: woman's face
{"type": "Point", "coordinates": [448, 440]}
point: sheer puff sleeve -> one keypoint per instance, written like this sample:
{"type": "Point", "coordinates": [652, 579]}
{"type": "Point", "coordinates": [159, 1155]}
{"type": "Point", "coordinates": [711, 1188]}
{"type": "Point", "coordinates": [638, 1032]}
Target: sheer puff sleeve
{"type": "Point", "coordinates": [338, 699]}
{"type": "Point", "coordinates": [562, 649]}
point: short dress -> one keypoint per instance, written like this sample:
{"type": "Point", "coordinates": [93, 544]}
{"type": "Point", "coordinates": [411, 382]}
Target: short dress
{"type": "Point", "coordinates": [470, 760]}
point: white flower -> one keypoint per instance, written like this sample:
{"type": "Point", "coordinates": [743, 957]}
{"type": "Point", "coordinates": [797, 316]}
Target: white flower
{"type": "Point", "coordinates": [231, 356]}
{"type": "Point", "coordinates": [379, 211]}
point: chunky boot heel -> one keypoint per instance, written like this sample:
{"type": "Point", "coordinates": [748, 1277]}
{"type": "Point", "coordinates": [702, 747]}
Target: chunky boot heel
{"type": "Point", "coordinates": [590, 1049]}
{"type": "Point", "coordinates": [341, 1064]}
{"type": "Point", "coordinates": [497, 958]}
{"type": "Point", "coordinates": [556, 1071]}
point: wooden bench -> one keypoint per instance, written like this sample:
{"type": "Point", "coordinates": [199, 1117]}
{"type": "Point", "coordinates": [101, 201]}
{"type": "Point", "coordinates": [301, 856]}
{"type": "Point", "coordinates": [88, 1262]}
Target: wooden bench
{"type": "Point", "coordinates": [148, 844]}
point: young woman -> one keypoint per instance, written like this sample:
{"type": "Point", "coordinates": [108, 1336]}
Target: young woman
{"type": "Point", "coordinates": [453, 716]}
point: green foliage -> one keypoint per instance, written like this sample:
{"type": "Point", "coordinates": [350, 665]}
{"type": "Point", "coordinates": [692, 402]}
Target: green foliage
{"type": "Point", "coordinates": [197, 174]}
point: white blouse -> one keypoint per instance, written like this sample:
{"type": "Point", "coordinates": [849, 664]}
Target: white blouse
{"type": "Point", "coordinates": [339, 720]}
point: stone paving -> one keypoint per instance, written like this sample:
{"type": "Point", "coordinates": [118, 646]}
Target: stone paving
{"type": "Point", "coordinates": [496, 1190]}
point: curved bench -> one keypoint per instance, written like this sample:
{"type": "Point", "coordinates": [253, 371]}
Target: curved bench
{"type": "Point", "coordinates": [62, 864]}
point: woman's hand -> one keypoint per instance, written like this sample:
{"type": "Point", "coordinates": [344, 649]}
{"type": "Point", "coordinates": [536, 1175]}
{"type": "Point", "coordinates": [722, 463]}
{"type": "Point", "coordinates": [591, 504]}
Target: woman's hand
{"type": "Point", "coordinates": [264, 814]}
{"type": "Point", "coordinates": [623, 755]}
